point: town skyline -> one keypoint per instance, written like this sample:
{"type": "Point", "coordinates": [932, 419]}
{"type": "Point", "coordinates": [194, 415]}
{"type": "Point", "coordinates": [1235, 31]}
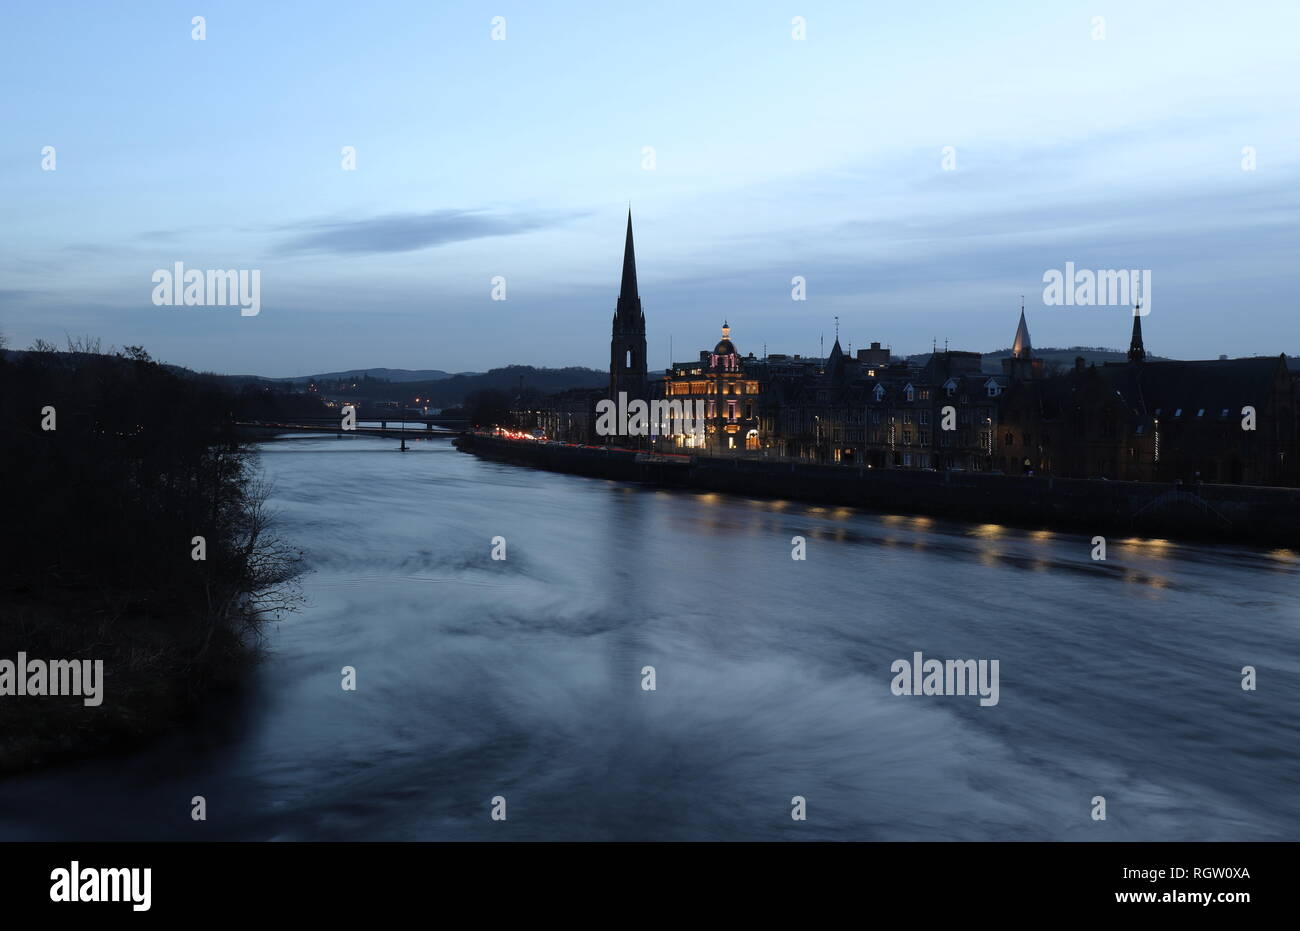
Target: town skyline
{"type": "Point", "coordinates": [878, 158]}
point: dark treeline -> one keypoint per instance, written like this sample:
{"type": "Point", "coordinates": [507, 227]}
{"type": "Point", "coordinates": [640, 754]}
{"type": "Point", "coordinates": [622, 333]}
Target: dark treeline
{"type": "Point", "coordinates": [98, 561]}
{"type": "Point", "coordinates": [455, 390]}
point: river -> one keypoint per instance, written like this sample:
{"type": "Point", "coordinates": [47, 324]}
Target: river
{"type": "Point", "coordinates": [522, 678]}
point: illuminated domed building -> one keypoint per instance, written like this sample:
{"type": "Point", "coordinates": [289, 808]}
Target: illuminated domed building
{"type": "Point", "coordinates": [730, 395]}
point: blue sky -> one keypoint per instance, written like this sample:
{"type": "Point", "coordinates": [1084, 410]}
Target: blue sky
{"type": "Point", "coordinates": [517, 158]}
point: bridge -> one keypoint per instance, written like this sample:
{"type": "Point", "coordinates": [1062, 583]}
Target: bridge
{"type": "Point", "coordinates": [405, 427]}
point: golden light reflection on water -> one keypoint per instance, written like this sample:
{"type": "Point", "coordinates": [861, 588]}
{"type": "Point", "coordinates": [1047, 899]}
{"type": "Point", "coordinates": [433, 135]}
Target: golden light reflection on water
{"type": "Point", "coordinates": [1155, 547]}
{"type": "Point", "coordinates": [988, 531]}
{"type": "Point", "coordinates": [1150, 581]}
{"type": "Point", "coordinates": [1282, 554]}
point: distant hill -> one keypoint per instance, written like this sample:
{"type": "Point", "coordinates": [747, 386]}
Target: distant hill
{"type": "Point", "coordinates": [398, 375]}
{"type": "Point", "coordinates": [450, 390]}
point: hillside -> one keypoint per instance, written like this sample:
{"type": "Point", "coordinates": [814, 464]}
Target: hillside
{"type": "Point", "coordinates": [451, 390]}
{"type": "Point", "coordinates": [393, 375]}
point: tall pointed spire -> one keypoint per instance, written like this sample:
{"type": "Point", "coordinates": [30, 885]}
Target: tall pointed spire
{"type": "Point", "coordinates": [627, 289]}
{"type": "Point", "coordinates": [627, 344]}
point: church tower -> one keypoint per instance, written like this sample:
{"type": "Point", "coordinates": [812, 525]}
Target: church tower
{"type": "Point", "coordinates": [627, 363]}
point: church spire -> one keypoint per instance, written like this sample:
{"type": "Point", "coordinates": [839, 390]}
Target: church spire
{"type": "Point", "coordinates": [627, 343]}
{"type": "Point", "coordinates": [627, 290]}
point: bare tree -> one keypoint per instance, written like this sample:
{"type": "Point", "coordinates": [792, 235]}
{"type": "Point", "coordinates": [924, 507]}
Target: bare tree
{"type": "Point", "coordinates": [87, 344]}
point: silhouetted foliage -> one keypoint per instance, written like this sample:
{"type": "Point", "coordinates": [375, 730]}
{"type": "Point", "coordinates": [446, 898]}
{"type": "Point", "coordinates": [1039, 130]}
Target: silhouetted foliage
{"type": "Point", "coordinates": [102, 513]}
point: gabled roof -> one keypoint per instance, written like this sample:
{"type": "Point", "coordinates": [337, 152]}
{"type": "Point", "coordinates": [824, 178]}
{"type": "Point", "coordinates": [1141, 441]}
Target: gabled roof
{"type": "Point", "coordinates": [1140, 390]}
{"type": "Point", "coordinates": [1210, 384]}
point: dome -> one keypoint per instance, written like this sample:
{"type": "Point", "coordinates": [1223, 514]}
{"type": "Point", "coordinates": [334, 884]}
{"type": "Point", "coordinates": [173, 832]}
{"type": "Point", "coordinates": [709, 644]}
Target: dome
{"type": "Point", "coordinates": [725, 346]}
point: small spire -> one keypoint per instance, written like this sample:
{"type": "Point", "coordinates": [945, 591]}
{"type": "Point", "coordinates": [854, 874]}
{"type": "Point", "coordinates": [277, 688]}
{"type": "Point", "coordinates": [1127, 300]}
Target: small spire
{"type": "Point", "coordinates": [1021, 348]}
{"type": "Point", "coordinates": [1136, 351]}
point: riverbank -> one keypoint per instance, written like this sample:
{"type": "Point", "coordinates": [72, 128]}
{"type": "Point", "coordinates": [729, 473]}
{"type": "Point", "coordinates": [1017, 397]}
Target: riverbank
{"type": "Point", "coordinates": [142, 551]}
{"type": "Point", "coordinates": [153, 680]}
{"type": "Point", "coordinates": [1237, 513]}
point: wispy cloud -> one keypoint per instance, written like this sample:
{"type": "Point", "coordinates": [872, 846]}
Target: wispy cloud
{"type": "Point", "coordinates": [406, 232]}
{"type": "Point", "coordinates": [15, 296]}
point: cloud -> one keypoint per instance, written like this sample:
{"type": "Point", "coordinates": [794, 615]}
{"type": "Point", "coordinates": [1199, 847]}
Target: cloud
{"type": "Point", "coordinates": [406, 232]}
{"type": "Point", "coordinates": [15, 296]}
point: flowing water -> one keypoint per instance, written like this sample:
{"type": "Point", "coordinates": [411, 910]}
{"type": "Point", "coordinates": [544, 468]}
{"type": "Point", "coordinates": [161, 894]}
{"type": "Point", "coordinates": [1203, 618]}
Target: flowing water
{"type": "Point", "coordinates": [522, 678]}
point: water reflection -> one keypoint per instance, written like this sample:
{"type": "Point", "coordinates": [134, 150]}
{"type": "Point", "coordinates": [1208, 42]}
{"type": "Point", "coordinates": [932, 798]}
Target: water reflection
{"type": "Point", "coordinates": [524, 677]}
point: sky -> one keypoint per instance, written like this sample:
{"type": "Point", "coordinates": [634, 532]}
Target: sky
{"type": "Point", "coordinates": [919, 165]}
